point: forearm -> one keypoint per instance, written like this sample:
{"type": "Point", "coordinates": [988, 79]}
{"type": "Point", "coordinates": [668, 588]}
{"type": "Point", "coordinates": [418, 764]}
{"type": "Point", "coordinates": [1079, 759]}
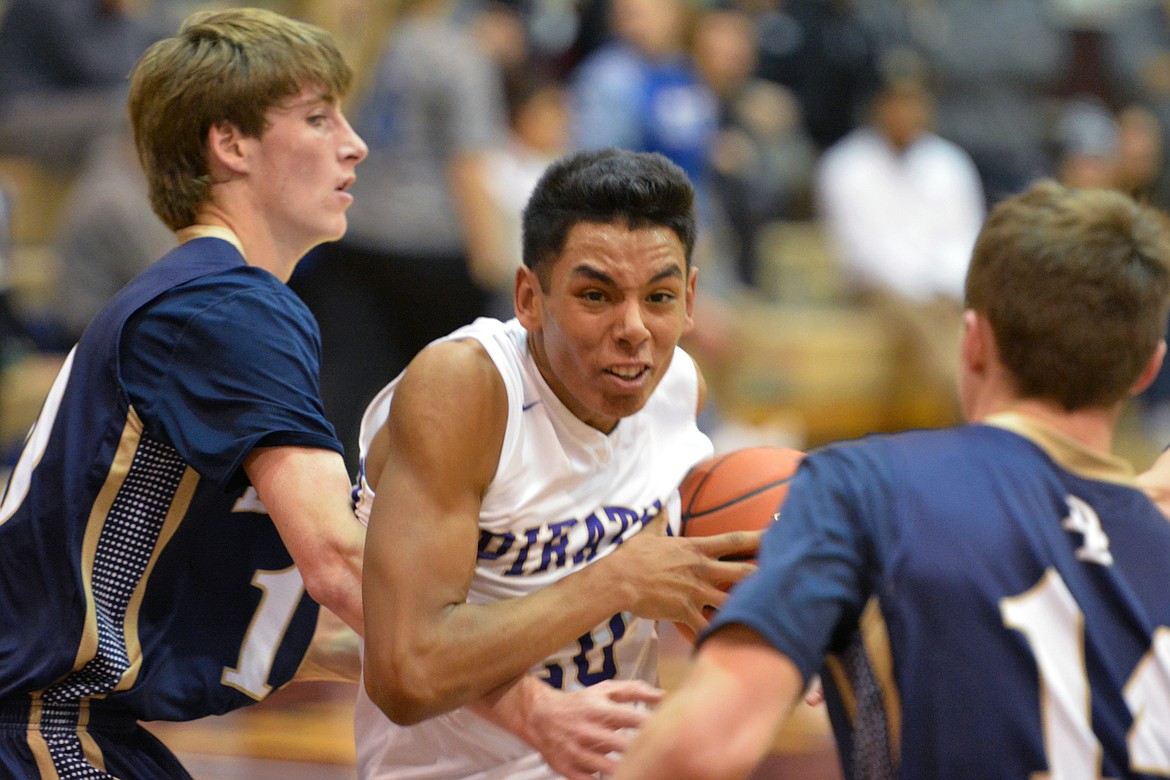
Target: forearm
{"type": "Point", "coordinates": [471, 650]}
{"type": "Point", "coordinates": [430, 650]}
{"type": "Point", "coordinates": [334, 576]}
{"type": "Point", "coordinates": [724, 716]}
{"type": "Point", "coordinates": [306, 493]}
{"type": "Point", "coordinates": [509, 705]}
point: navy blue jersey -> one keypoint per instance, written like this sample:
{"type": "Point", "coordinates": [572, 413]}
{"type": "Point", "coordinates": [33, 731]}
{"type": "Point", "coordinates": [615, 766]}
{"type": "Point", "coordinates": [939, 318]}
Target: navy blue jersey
{"type": "Point", "coordinates": [140, 577]}
{"type": "Point", "coordinates": [991, 605]}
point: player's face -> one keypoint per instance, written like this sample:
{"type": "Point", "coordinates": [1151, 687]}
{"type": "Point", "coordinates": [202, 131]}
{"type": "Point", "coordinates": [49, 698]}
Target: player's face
{"type": "Point", "coordinates": [604, 332]}
{"type": "Point", "coordinates": [303, 165]}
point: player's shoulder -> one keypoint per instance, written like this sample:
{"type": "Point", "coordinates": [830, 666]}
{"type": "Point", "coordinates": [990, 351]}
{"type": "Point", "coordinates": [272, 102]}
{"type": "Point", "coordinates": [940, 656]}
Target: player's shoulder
{"type": "Point", "coordinates": [882, 452]}
{"type": "Point", "coordinates": [242, 288]}
{"type": "Point", "coordinates": [456, 371]}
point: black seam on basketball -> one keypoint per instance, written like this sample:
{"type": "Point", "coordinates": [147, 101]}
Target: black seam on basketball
{"type": "Point", "coordinates": [686, 510]}
{"type": "Point", "coordinates": [699, 488]}
{"type": "Point", "coordinates": [763, 488]}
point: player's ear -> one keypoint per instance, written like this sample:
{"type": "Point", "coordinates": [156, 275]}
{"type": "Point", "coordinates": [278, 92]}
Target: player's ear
{"type": "Point", "coordinates": [225, 149]}
{"type": "Point", "coordinates": [528, 298]}
{"type": "Point", "coordinates": [1151, 370]}
{"type": "Point", "coordinates": [973, 350]}
{"type": "Point", "coordinates": [692, 277]}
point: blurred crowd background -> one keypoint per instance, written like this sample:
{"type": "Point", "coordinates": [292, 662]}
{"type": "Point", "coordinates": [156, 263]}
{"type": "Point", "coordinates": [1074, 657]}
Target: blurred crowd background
{"type": "Point", "coordinates": [845, 153]}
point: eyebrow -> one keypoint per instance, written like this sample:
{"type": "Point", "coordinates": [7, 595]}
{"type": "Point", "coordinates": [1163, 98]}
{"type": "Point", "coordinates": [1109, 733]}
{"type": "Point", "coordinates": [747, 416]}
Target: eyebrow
{"type": "Point", "coordinates": [601, 277]}
{"type": "Point", "coordinates": [301, 100]}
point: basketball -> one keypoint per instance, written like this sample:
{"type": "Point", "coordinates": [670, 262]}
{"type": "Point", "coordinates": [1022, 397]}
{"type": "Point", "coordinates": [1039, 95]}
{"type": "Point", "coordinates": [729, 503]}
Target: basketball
{"type": "Point", "coordinates": [739, 490]}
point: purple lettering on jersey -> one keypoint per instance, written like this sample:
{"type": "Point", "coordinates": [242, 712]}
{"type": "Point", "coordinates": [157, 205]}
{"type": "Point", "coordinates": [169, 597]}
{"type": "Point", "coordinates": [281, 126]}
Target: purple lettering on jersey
{"type": "Point", "coordinates": [556, 546]}
{"type": "Point", "coordinates": [522, 556]}
{"type": "Point", "coordinates": [565, 542]}
{"type": "Point", "coordinates": [492, 546]}
{"type": "Point", "coordinates": [596, 533]}
{"type": "Point", "coordinates": [623, 516]}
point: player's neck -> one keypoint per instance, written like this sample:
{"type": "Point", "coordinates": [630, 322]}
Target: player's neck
{"type": "Point", "coordinates": [1093, 427]}
{"type": "Point", "coordinates": [259, 247]}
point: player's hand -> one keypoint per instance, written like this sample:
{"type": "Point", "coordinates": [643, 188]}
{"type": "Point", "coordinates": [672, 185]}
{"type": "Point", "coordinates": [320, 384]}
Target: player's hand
{"type": "Point", "coordinates": [673, 578]}
{"type": "Point", "coordinates": [586, 731]}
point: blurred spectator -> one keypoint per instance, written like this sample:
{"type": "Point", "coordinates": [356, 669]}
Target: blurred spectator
{"type": "Point", "coordinates": [762, 159]}
{"type": "Point", "coordinates": [995, 67]}
{"type": "Point", "coordinates": [538, 120]}
{"type": "Point", "coordinates": [1087, 145]}
{"type": "Point", "coordinates": [63, 66]}
{"type": "Point", "coordinates": [903, 207]}
{"type": "Point", "coordinates": [821, 50]}
{"type": "Point", "coordinates": [641, 91]}
{"type": "Point", "coordinates": [902, 203]}
{"type": "Point", "coordinates": [1141, 156]}
{"type": "Point", "coordinates": [11, 330]}
{"type": "Point", "coordinates": [1137, 47]}
{"type": "Point", "coordinates": [422, 230]}
{"type": "Point", "coordinates": [1137, 50]}
{"type": "Point", "coordinates": [502, 31]}
{"type": "Point", "coordinates": [107, 234]}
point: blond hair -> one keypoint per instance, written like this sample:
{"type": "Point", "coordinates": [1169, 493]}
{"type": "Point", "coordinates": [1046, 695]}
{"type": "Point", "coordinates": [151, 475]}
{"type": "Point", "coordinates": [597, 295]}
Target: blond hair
{"type": "Point", "coordinates": [229, 65]}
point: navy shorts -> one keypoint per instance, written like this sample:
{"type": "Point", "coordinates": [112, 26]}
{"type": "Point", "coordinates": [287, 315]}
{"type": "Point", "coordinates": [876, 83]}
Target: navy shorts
{"type": "Point", "coordinates": [69, 741]}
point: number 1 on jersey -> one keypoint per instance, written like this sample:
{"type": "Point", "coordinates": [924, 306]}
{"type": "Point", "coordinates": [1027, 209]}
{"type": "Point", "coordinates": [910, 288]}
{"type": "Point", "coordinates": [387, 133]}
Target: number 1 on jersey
{"type": "Point", "coordinates": [1053, 625]}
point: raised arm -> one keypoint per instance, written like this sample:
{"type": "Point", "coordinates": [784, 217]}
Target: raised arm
{"type": "Point", "coordinates": [428, 650]}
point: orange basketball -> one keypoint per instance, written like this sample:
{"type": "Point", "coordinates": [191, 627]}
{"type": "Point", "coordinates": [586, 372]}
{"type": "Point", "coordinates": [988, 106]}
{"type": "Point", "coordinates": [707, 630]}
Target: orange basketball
{"type": "Point", "coordinates": [739, 490]}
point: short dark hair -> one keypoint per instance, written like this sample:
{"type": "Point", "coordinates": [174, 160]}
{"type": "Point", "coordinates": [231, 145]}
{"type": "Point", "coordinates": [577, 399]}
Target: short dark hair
{"type": "Point", "coordinates": [639, 189]}
{"type": "Point", "coordinates": [1075, 284]}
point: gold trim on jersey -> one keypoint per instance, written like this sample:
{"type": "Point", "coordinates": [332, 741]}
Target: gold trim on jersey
{"type": "Point", "coordinates": [211, 231]}
{"type": "Point", "coordinates": [89, 746]}
{"type": "Point", "coordinates": [1065, 450]}
{"type": "Point", "coordinates": [859, 677]}
{"type": "Point", "coordinates": [178, 510]}
{"type": "Point", "coordinates": [115, 479]}
{"type": "Point", "coordinates": [37, 744]}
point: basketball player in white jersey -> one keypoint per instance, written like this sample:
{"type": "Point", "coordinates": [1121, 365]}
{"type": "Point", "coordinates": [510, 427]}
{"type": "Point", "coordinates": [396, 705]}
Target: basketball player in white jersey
{"type": "Point", "coordinates": [526, 475]}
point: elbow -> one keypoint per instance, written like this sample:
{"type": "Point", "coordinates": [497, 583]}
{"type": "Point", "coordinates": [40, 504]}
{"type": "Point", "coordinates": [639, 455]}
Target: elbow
{"type": "Point", "coordinates": [337, 588]}
{"type": "Point", "coordinates": [397, 706]}
{"type": "Point", "coordinates": [406, 693]}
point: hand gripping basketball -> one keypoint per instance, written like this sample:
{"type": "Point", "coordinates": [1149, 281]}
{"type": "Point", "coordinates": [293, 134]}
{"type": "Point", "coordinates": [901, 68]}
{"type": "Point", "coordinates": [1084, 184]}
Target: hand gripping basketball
{"type": "Point", "coordinates": [741, 490]}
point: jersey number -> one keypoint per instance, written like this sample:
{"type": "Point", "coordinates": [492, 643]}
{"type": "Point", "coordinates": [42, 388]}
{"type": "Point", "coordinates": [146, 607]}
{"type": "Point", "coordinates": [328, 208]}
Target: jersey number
{"type": "Point", "coordinates": [1053, 625]}
{"type": "Point", "coordinates": [281, 594]}
{"type": "Point", "coordinates": [593, 664]}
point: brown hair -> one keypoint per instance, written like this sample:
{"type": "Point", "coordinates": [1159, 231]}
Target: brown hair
{"type": "Point", "coordinates": [229, 65]}
{"type": "Point", "coordinates": [1076, 287]}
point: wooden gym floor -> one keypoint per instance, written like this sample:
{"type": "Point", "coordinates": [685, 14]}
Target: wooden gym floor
{"type": "Point", "coordinates": [305, 732]}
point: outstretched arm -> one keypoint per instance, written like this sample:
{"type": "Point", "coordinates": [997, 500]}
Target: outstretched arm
{"type": "Point", "coordinates": [724, 716]}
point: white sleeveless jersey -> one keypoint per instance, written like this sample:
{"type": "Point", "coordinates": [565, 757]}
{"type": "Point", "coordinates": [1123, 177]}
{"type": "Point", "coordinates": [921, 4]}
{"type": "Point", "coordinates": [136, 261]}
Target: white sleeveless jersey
{"type": "Point", "coordinates": [564, 495]}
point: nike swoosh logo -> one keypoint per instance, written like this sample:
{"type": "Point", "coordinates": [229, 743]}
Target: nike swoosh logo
{"type": "Point", "coordinates": [529, 405]}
